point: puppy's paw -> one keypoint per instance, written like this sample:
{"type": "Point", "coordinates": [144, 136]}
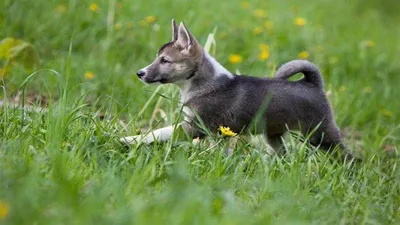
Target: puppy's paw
{"type": "Point", "coordinates": [131, 140]}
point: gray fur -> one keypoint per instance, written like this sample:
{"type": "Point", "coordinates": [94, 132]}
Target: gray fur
{"type": "Point", "coordinates": [222, 99]}
{"type": "Point", "coordinates": [235, 103]}
{"type": "Point", "coordinates": [310, 71]}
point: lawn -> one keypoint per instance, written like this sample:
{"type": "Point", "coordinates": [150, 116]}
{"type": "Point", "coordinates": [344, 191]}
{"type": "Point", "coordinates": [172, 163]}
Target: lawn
{"type": "Point", "coordinates": [69, 92]}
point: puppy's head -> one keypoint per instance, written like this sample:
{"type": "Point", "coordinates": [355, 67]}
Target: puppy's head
{"type": "Point", "coordinates": [176, 60]}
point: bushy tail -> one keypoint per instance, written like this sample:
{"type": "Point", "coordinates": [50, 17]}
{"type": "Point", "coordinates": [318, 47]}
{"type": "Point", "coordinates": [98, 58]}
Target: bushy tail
{"type": "Point", "coordinates": [310, 71]}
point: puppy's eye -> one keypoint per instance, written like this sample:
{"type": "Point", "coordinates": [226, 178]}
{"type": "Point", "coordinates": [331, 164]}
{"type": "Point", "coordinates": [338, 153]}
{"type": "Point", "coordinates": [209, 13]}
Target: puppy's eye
{"type": "Point", "coordinates": [163, 60]}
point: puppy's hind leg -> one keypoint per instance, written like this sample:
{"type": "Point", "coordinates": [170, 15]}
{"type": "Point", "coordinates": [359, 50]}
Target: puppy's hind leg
{"type": "Point", "coordinates": [330, 139]}
{"type": "Point", "coordinates": [276, 142]}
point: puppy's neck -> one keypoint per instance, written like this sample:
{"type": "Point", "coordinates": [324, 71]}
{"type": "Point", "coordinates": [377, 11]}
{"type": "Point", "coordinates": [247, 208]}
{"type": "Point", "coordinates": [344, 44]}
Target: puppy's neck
{"type": "Point", "coordinates": [213, 67]}
{"type": "Point", "coordinates": [208, 76]}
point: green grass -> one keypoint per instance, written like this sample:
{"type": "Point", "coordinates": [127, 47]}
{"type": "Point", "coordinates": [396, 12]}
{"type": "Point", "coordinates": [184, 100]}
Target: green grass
{"type": "Point", "coordinates": [66, 166]}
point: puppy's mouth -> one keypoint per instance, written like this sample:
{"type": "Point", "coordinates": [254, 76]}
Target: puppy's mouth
{"type": "Point", "coordinates": [162, 81]}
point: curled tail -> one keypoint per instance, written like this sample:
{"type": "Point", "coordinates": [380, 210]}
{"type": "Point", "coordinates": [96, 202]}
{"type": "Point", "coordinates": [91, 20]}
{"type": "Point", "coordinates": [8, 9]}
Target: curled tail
{"type": "Point", "coordinates": [310, 71]}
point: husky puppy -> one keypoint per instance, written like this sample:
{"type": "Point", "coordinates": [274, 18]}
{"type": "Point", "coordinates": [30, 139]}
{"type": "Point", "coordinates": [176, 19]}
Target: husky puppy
{"type": "Point", "coordinates": [216, 96]}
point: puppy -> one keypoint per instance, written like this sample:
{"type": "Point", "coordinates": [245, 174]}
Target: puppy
{"type": "Point", "coordinates": [214, 97]}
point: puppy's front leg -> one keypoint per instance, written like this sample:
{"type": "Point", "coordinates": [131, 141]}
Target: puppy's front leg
{"type": "Point", "coordinates": [162, 134]}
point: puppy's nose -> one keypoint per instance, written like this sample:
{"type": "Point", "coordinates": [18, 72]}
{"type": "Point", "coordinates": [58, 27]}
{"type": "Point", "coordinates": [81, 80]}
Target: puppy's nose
{"type": "Point", "coordinates": [141, 73]}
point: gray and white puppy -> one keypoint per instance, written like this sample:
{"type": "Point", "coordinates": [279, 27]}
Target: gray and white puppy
{"type": "Point", "coordinates": [218, 97]}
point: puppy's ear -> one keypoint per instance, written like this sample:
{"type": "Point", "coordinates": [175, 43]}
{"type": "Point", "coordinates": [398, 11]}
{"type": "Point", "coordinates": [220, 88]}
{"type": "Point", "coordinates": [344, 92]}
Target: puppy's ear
{"type": "Point", "coordinates": [174, 30]}
{"type": "Point", "coordinates": [185, 38]}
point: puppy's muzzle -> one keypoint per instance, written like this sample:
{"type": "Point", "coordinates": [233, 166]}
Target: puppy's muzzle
{"type": "Point", "coordinates": [141, 73]}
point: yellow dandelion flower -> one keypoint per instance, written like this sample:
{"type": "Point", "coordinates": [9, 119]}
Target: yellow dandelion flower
{"type": "Point", "coordinates": [94, 7]}
{"type": "Point", "coordinates": [257, 30]}
{"type": "Point", "coordinates": [4, 210]}
{"type": "Point", "coordinates": [264, 55]}
{"type": "Point", "coordinates": [245, 5]}
{"type": "Point", "coordinates": [226, 131]}
{"type": "Point", "coordinates": [150, 19]}
{"type": "Point", "coordinates": [61, 8]}
{"type": "Point", "coordinates": [268, 24]}
{"type": "Point", "coordinates": [118, 26]}
{"type": "Point", "coordinates": [235, 59]}
{"type": "Point", "coordinates": [368, 89]}
{"type": "Point", "coordinates": [300, 21]}
{"type": "Point", "coordinates": [89, 75]}
{"type": "Point", "coordinates": [386, 113]}
{"type": "Point", "coordinates": [304, 55]}
{"type": "Point", "coordinates": [259, 13]}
